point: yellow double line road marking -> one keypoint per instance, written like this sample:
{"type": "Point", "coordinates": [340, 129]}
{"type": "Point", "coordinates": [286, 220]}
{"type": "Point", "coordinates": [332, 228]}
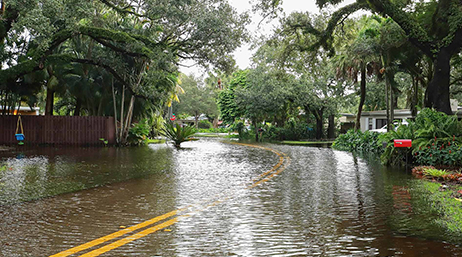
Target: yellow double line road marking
{"type": "Point", "coordinates": [275, 170]}
{"type": "Point", "coordinates": [117, 234]}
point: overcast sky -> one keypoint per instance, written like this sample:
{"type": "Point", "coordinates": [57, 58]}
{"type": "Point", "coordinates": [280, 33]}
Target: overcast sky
{"type": "Point", "coordinates": [243, 54]}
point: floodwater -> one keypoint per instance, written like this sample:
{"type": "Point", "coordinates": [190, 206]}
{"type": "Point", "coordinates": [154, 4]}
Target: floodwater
{"type": "Point", "coordinates": [321, 203]}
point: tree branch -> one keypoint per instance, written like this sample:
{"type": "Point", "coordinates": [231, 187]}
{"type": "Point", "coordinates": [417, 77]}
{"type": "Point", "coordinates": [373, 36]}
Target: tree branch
{"type": "Point", "coordinates": [123, 11]}
{"type": "Point", "coordinates": [416, 34]}
{"type": "Point", "coordinates": [7, 18]}
{"type": "Point", "coordinates": [117, 49]}
{"type": "Point", "coordinates": [66, 58]}
{"type": "Point", "coordinates": [325, 36]}
{"type": "Point", "coordinates": [456, 44]}
{"type": "Point", "coordinates": [39, 57]}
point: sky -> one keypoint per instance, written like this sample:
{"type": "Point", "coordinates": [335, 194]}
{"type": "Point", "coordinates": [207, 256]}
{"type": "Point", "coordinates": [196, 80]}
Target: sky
{"type": "Point", "coordinates": [243, 54]}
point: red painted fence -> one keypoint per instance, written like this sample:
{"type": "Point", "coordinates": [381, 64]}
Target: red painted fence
{"type": "Point", "coordinates": [61, 130]}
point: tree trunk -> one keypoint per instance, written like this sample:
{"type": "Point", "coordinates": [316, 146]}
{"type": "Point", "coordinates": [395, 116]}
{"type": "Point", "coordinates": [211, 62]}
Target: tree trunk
{"type": "Point", "coordinates": [392, 103]}
{"type": "Point", "coordinates": [319, 124]}
{"type": "Point", "coordinates": [331, 127]}
{"type": "Point", "coordinates": [49, 102]}
{"type": "Point", "coordinates": [100, 107]}
{"type": "Point", "coordinates": [122, 114]}
{"type": "Point", "coordinates": [362, 96]}
{"type": "Point", "coordinates": [128, 119]}
{"type": "Point", "coordinates": [415, 96]}
{"type": "Point", "coordinates": [387, 101]}
{"type": "Point", "coordinates": [437, 94]}
{"type": "Point", "coordinates": [196, 119]}
{"type": "Point", "coordinates": [78, 107]}
{"type": "Point", "coordinates": [254, 122]}
{"type": "Point", "coordinates": [115, 112]}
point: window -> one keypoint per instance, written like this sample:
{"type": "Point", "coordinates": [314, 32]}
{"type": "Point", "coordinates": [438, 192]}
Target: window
{"type": "Point", "coordinates": [380, 123]}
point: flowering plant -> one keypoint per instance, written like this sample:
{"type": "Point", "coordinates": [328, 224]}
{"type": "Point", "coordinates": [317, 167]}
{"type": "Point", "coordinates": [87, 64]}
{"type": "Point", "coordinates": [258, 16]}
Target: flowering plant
{"type": "Point", "coordinates": [448, 153]}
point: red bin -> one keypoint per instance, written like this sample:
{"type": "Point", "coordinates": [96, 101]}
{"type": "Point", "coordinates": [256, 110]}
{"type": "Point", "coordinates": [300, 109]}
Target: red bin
{"type": "Point", "coordinates": [402, 142]}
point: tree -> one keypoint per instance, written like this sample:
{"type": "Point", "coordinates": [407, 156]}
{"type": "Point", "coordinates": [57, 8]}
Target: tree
{"type": "Point", "coordinates": [229, 110]}
{"type": "Point", "coordinates": [435, 28]}
{"type": "Point", "coordinates": [197, 99]}
{"type": "Point", "coordinates": [266, 97]}
{"type": "Point", "coordinates": [355, 62]}
{"type": "Point", "coordinates": [317, 90]}
{"type": "Point", "coordinates": [158, 33]}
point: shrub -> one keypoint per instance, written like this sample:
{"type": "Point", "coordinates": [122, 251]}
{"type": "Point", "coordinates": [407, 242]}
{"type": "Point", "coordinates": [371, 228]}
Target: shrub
{"type": "Point", "coordinates": [204, 124]}
{"type": "Point", "coordinates": [435, 173]}
{"type": "Point", "coordinates": [433, 127]}
{"type": "Point", "coordinates": [431, 131]}
{"type": "Point", "coordinates": [139, 132]}
{"type": "Point", "coordinates": [213, 130]}
{"type": "Point", "coordinates": [240, 128]}
{"type": "Point", "coordinates": [430, 172]}
{"type": "Point", "coordinates": [357, 141]}
{"type": "Point", "coordinates": [156, 122]}
{"type": "Point", "coordinates": [447, 154]}
{"type": "Point", "coordinates": [392, 155]}
{"type": "Point", "coordinates": [291, 131]}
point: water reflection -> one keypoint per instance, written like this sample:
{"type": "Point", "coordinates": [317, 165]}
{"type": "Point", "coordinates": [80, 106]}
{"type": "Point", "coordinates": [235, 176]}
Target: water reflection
{"type": "Point", "coordinates": [326, 203]}
{"type": "Point", "coordinates": [48, 171]}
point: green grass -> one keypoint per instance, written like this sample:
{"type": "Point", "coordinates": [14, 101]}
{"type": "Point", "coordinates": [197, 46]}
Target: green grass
{"type": "Point", "coordinates": [155, 141]}
{"type": "Point", "coordinates": [306, 142]}
{"type": "Point", "coordinates": [448, 207]}
{"type": "Point", "coordinates": [231, 136]}
{"type": "Point", "coordinates": [213, 135]}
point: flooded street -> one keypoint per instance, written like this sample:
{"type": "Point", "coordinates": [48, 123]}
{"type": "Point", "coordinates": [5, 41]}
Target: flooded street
{"type": "Point", "coordinates": [212, 199]}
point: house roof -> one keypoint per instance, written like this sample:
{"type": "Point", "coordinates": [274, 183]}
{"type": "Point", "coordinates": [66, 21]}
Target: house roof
{"type": "Point", "coordinates": [348, 114]}
{"type": "Point", "coordinates": [398, 112]}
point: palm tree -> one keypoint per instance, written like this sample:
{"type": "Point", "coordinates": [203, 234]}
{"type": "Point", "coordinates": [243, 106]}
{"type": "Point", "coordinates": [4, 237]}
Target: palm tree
{"type": "Point", "coordinates": [357, 60]}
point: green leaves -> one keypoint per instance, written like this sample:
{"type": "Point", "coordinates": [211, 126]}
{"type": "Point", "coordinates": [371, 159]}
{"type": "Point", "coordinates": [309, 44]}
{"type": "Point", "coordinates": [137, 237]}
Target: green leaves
{"type": "Point", "coordinates": [229, 108]}
{"type": "Point", "coordinates": [139, 132]}
{"type": "Point", "coordinates": [113, 35]}
{"type": "Point", "coordinates": [176, 133]}
{"type": "Point", "coordinates": [435, 127]}
{"type": "Point", "coordinates": [435, 140]}
{"type": "Point", "coordinates": [197, 98]}
{"type": "Point", "coordinates": [357, 141]}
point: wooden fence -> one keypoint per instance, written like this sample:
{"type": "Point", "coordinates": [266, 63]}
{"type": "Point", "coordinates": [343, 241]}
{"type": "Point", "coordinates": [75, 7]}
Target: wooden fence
{"type": "Point", "coordinates": [60, 130]}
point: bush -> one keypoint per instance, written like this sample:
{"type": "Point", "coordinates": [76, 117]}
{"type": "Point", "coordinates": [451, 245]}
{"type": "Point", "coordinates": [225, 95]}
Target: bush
{"type": "Point", "coordinates": [291, 131]}
{"type": "Point", "coordinates": [204, 124]}
{"type": "Point", "coordinates": [446, 154]}
{"type": "Point", "coordinates": [435, 141]}
{"type": "Point", "coordinates": [392, 155]}
{"type": "Point", "coordinates": [434, 127]}
{"type": "Point", "coordinates": [213, 130]}
{"type": "Point", "coordinates": [139, 132]}
{"type": "Point", "coordinates": [357, 141]}
{"type": "Point", "coordinates": [242, 131]}
{"type": "Point", "coordinates": [430, 131]}
{"type": "Point", "coordinates": [430, 172]}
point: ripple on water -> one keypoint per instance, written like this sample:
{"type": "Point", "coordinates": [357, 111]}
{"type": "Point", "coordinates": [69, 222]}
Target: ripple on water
{"type": "Point", "coordinates": [326, 203]}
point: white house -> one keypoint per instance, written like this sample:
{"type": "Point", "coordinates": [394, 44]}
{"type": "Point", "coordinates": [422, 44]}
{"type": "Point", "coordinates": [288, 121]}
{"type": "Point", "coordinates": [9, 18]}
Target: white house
{"type": "Point", "coordinates": [378, 119]}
